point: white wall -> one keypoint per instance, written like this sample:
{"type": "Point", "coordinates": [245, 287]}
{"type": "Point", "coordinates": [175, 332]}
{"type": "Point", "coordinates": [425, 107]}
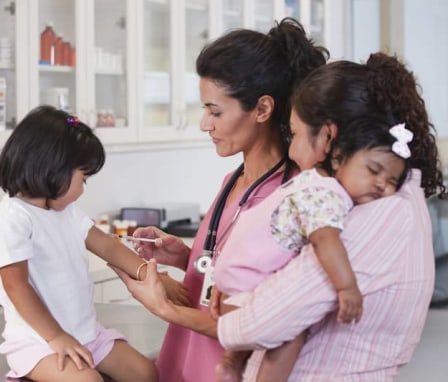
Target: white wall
{"type": "Point", "coordinates": [426, 51]}
{"type": "Point", "coordinates": [130, 179]}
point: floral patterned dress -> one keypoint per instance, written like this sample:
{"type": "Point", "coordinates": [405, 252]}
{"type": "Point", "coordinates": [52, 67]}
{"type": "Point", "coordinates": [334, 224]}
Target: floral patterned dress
{"type": "Point", "coordinates": [317, 202]}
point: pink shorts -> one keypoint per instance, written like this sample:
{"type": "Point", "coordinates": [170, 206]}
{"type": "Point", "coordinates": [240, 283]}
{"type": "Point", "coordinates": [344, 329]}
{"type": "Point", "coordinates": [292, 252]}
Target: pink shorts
{"type": "Point", "coordinates": [23, 355]}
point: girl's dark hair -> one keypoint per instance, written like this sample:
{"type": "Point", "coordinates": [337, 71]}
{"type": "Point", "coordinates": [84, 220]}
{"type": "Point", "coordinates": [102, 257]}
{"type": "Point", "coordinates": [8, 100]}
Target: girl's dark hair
{"type": "Point", "coordinates": [364, 133]}
{"type": "Point", "coordinates": [44, 149]}
{"type": "Point", "coordinates": [343, 91]}
{"type": "Point", "coordinates": [249, 64]}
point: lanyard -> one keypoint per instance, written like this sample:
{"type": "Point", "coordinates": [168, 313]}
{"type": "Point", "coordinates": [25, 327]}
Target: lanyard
{"type": "Point", "coordinates": [203, 261]}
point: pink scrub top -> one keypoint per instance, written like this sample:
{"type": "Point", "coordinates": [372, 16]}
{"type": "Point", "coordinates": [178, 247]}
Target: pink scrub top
{"type": "Point", "coordinates": [188, 356]}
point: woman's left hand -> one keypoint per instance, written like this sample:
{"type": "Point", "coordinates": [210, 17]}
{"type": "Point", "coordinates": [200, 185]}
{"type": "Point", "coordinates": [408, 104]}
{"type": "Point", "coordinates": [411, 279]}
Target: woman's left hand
{"type": "Point", "coordinates": [150, 291]}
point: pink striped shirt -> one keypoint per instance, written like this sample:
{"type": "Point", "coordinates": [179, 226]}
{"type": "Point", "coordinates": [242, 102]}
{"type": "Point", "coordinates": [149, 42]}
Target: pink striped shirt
{"type": "Point", "coordinates": [389, 243]}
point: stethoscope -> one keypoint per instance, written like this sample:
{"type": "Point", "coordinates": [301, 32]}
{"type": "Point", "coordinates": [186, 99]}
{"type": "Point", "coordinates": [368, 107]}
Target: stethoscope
{"type": "Point", "coordinates": [204, 261]}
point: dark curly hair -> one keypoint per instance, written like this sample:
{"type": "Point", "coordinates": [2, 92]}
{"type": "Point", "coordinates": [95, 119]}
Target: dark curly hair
{"type": "Point", "coordinates": [344, 91]}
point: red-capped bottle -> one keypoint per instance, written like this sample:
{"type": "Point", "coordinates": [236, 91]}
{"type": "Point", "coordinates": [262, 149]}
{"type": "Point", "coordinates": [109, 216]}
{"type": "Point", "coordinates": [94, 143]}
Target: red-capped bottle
{"type": "Point", "coordinates": [73, 56]}
{"type": "Point", "coordinates": [59, 50]}
{"type": "Point", "coordinates": [47, 40]}
{"type": "Point", "coordinates": [66, 53]}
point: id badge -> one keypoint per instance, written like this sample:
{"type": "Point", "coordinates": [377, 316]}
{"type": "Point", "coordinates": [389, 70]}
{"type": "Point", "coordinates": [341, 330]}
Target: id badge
{"type": "Point", "coordinates": [207, 285]}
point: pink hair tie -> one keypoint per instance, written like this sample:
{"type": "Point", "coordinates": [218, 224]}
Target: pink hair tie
{"type": "Point", "coordinates": [73, 121]}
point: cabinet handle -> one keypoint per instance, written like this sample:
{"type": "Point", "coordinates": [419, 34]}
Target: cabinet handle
{"type": "Point", "coordinates": [121, 23]}
{"type": "Point", "coordinates": [11, 124]}
{"type": "Point", "coordinates": [11, 8]}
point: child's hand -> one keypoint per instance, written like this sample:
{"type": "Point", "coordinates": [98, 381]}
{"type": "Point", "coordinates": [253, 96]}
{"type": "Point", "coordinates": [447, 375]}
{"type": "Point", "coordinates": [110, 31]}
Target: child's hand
{"type": "Point", "coordinates": [66, 346]}
{"type": "Point", "coordinates": [175, 290]}
{"type": "Point", "coordinates": [214, 303]}
{"type": "Point", "coordinates": [350, 305]}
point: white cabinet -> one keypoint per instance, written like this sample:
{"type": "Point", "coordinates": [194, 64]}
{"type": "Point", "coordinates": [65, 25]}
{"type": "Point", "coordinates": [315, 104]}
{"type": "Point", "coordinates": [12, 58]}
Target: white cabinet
{"type": "Point", "coordinates": [130, 59]}
{"type": "Point", "coordinates": [7, 61]}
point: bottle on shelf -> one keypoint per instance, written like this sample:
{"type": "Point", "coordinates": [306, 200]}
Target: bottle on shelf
{"type": "Point", "coordinates": [110, 118]}
{"type": "Point", "coordinates": [47, 40]}
{"type": "Point", "coordinates": [101, 120]}
{"type": "Point", "coordinates": [120, 227]}
{"type": "Point", "coordinates": [73, 56]}
{"type": "Point", "coordinates": [59, 50]}
{"type": "Point", "coordinates": [66, 49]}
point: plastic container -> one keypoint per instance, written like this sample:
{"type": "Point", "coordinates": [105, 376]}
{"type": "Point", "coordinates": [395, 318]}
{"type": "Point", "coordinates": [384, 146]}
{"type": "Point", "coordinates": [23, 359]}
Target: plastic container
{"type": "Point", "coordinates": [101, 120]}
{"type": "Point", "coordinates": [73, 56]}
{"type": "Point", "coordinates": [132, 226]}
{"type": "Point", "coordinates": [120, 227]}
{"type": "Point", "coordinates": [57, 97]}
{"type": "Point", "coordinates": [47, 40]}
{"type": "Point", "coordinates": [66, 56]}
{"type": "Point", "coordinates": [110, 118]}
{"type": "Point", "coordinates": [59, 50]}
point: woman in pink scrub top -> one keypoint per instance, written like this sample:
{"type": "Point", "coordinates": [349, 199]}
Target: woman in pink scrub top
{"type": "Point", "coordinates": [246, 80]}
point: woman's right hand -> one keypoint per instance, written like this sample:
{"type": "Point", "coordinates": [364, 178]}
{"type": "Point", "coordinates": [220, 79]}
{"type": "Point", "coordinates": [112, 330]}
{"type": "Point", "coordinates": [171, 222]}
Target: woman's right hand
{"type": "Point", "coordinates": [169, 250]}
{"type": "Point", "coordinates": [67, 346]}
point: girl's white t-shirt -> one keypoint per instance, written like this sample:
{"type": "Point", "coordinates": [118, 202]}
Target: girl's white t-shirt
{"type": "Point", "coordinates": [53, 244]}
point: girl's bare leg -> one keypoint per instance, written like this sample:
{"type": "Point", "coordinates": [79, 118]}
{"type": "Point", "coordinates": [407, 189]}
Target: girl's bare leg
{"type": "Point", "coordinates": [47, 371]}
{"type": "Point", "coordinates": [126, 364]}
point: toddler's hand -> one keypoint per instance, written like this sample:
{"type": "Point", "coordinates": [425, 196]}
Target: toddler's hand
{"type": "Point", "coordinates": [67, 346]}
{"type": "Point", "coordinates": [350, 305]}
{"type": "Point", "coordinates": [215, 302]}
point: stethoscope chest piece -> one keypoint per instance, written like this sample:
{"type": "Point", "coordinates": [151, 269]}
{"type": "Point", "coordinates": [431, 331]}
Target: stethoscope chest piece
{"type": "Point", "coordinates": [203, 262]}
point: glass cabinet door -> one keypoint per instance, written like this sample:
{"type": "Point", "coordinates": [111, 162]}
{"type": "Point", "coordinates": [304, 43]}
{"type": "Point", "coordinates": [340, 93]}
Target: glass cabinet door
{"type": "Point", "coordinates": [8, 117]}
{"type": "Point", "coordinates": [232, 14]}
{"type": "Point", "coordinates": [311, 14]}
{"type": "Point", "coordinates": [264, 15]}
{"type": "Point", "coordinates": [111, 85]}
{"type": "Point", "coordinates": [57, 54]}
{"type": "Point", "coordinates": [156, 63]}
{"type": "Point", "coordinates": [196, 36]}
{"type": "Point", "coordinates": [317, 26]}
{"type": "Point", "coordinates": [173, 32]}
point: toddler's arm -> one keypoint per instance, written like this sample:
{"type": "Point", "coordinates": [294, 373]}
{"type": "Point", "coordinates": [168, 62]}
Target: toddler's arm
{"type": "Point", "coordinates": [333, 257]}
{"type": "Point", "coordinates": [217, 306]}
{"type": "Point", "coordinates": [36, 314]}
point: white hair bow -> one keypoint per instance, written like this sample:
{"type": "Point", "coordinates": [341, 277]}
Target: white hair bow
{"type": "Point", "coordinates": [403, 136]}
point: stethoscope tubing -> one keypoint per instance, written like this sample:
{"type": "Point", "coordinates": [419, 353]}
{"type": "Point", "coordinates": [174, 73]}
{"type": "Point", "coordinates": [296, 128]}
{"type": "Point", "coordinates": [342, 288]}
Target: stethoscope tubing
{"type": "Point", "coordinates": [205, 259]}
